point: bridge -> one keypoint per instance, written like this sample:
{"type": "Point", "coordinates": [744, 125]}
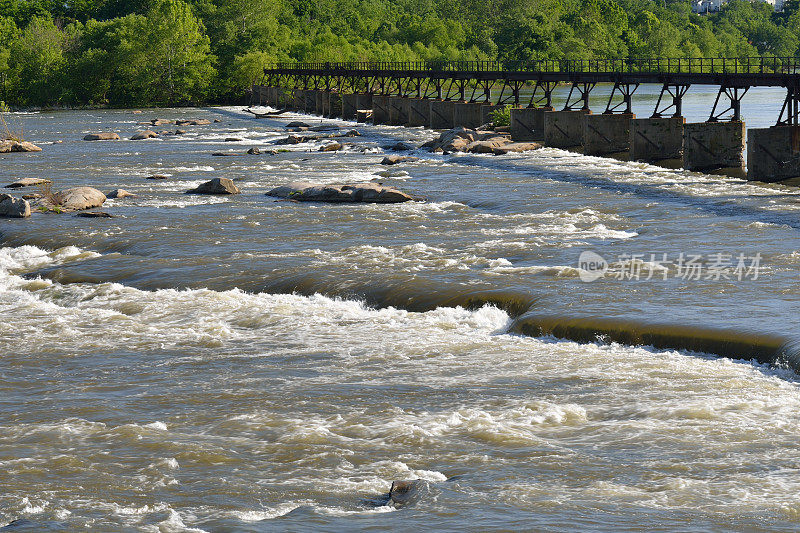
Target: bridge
{"type": "Point", "coordinates": [445, 94]}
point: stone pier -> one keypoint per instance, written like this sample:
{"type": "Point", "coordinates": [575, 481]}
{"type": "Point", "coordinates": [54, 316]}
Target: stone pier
{"type": "Point", "coordinates": [658, 141]}
{"type": "Point", "coordinates": [442, 114]}
{"type": "Point", "coordinates": [773, 154]}
{"type": "Point", "coordinates": [419, 112]}
{"type": "Point", "coordinates": [467, 114]}
{"type": "Point", "coordinates": [398, 110]}
{"type": "Point", "coordinates": [527, 123]}
{"type": "Point", "coordinates": [311, 101]}
{"type": "Point", "coordinates": [715, 147]}
{"type": "Point", "coordinates": [608, 135]}
{"type": "Point", "coordinates": [335, 108]}
{"type": "Point", "coordinates": [380, 109]}
{"type": "Point", "coordinates": [564, 129]}
{"type": "Point", "coordinates": [349, 106]}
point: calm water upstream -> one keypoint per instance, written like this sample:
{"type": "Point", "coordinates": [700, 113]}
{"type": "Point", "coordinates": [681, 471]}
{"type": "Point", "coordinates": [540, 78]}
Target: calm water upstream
{"type": "Point", "coordinates": [239, 364]}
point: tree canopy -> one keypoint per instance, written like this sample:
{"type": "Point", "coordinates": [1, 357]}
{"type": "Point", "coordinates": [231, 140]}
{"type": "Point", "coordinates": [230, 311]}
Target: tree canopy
{"type": "Point", "coordinates": [139, 52]}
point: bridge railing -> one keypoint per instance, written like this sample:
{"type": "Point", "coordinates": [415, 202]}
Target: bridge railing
{"type": "Point", "coordinates": [679, 65]}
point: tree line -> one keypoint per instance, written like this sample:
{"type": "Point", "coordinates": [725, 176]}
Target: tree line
{"type": "Point", "coordinates": [176, 52]}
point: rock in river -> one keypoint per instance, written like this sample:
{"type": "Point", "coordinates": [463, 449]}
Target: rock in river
{"type": "Point", "coordinates": [26, 182]}
{"type": "Point", "coordinates": [361, 192]}
{"type": "Point", "coordinates": [105, 136]}
{"type": "Point", "coordinates": [18, 146]}
{"type": "Point", "coordinates": [394, 159]}
{"type": "Point", "coordinates": [404, 492]}
{"type": "Point", "coordinates": [216, 186]}
{"type": "Point", "coordinates": [119, 193]}
{"type": "Point", "coordinates": [79, 198]}
{"type": "Point", "coordinates": [14, 207]}
{"type": "Point", "coordinates": [146, 134]}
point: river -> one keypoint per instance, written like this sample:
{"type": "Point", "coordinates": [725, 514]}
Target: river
{"type": "Point", "coordinates": [202, 363]}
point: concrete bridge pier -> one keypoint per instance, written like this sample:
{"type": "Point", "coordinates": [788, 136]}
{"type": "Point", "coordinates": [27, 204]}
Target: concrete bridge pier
{"type": "Point", "coordinates": [658, 141]}
{"type": "Point", "coordinates": [715, 147]}
{"type": "Point", "coordinates": [380, 109]}
{"type": "Point", "coordinates": [468, 114]}
{"type": "Point", "coordinates": [527, 123]}
{"type": "Point", "coordinates": [298, 100]}
{"type": "Point", "coordinates": [398, 110]}
{"type": "Point", "coordinates": [419, 112]}
{"type": "Point", "coordinates": [349, 106]}
{"type": "Point", "coordinates": [442, 114]}
{"type": "Point", "coordinates": [317, 109]}
{"type": "Point", "coordinates": [773, 154]}
{"type": "Point", "coordinates": [326, 103]}
{"type": "Point", "coordinates": [487, 110]}
{"type": "Point", "coordinates": [335, 105]}
{"type": "Point", "coordinates": [564, 129]}
{"type": "Point", "coordinates": [608, 135]}
{"type": "Point", "coordinates": [310, 100]}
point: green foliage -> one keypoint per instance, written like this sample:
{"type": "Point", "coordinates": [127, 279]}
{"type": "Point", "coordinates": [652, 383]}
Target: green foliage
{"type": "Point", "coordinates": [140, 52]}
{"type": "Point", "coordinates": [501, 117]}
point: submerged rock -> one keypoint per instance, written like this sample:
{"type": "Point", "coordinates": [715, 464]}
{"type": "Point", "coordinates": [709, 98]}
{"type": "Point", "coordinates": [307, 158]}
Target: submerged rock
{"type": "Point", "coordinates": [120, 193]}
{"type": "Point", "coordinates": [303, 191]}
{"type": "Point", "coordinates": [517, 147]}
{"type": "Point", "coordinates": [157, 177]}
{"type": "Point", "coordinates": [395, 159]}
{"type": "Point", "coordinates": [233, 140]}
{"type": "Point", "coordinates": [11, 207]}
{"type": "Point", "coordinates": [405, 492]}
{"type": "Point", "coordinates": [27, 182]}
{"type": "Point", "coordinates": [254, 151]}
{"type": "Point", "coordinates": [401, 147]}
{"type": "Point", "coordinates": [297, 124]}
{"type": "Point", "coordinates": [180, 132]}
{"type": "Point", "coordinates": [17, 146]}
{"type": "Point", "coordinates": [198, 122]}
{"type": "Point", "coordinates": [226, 154]}
{"type": "Point", "coordinates": [160, 122]}
{"type": "Point", "coordinates": [216, 186]}
{"type": "Point", "coordinates": [105, 136]}
{"type": "Point", "coordinates": [95, 214]}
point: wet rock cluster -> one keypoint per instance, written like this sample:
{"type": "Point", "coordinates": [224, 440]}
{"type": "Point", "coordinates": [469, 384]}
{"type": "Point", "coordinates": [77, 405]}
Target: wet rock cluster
{"type": "Point", "coordinates": [477, 142]}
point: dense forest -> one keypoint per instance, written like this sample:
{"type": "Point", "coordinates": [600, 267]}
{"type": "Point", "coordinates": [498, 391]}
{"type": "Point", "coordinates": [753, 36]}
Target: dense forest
{"type": "Point", "coordinates": [155, 52]}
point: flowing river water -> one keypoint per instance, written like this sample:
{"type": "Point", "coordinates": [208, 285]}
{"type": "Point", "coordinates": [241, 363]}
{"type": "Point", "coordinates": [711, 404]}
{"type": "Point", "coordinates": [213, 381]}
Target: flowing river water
{"type": "Point", "coordinates": [203, 363]}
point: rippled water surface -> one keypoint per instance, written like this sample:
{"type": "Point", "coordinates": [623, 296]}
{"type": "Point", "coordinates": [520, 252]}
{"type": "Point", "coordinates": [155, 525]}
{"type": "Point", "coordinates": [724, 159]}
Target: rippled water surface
{"type": "Point", "coordinates": [202, 363]}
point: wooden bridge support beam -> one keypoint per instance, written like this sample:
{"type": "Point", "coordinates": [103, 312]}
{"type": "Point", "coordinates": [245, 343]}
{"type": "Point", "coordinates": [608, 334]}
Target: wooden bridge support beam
{"type": "Point", "coordinates": [773, 154]}
{"type": "Point", "coordinates": [715, 147]}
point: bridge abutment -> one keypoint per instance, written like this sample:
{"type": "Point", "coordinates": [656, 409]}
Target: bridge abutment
{"type": "Point", "coordinates": [608, 135]}
{"type": "Point", "coordinates": [335, 105]}
{"type": "Point", "coordinates": [564, 129]}
{"type": "Point", "coordinates": [714, 147]}
{"type": "Point", "coordinates": [442, 114]}
{"type": "Point", "coordinates": [658, 141]}
{"type": "Point", "coordinates": [773, 154]}
{"type": "Point", "coordinates": [467, 114]}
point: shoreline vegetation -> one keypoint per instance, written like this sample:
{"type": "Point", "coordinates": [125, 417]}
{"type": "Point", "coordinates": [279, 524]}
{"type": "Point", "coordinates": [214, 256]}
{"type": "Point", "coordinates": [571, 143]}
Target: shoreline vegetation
{"type": "Point", "coordinates": [147, 53]}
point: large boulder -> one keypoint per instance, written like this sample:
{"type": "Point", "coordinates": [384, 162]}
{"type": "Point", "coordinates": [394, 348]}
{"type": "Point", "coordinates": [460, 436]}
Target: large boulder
{"type": "Point", "coordinates": [11, 207]}
{"type": "Point", "coordinates": [26, 182]}
{"type": "Point", "coordinates": [146, 134]}
{"type": "Point", "coordinates": [216, 186]}
{"type": "Point", "coordinates": [487, 146]}
{"type": "Point", "coordinates": [198, 122]}
{"type": "Point", "coordinates": [331, 147]}
{"type": "Point", "coordinates": [105, 136]}
{"type": "Point", "coordinates": [361, 192]}
{"type": "Point", "coordinates": [17, 146]}
{"type": "Point", "coordinates": [78, 199]}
